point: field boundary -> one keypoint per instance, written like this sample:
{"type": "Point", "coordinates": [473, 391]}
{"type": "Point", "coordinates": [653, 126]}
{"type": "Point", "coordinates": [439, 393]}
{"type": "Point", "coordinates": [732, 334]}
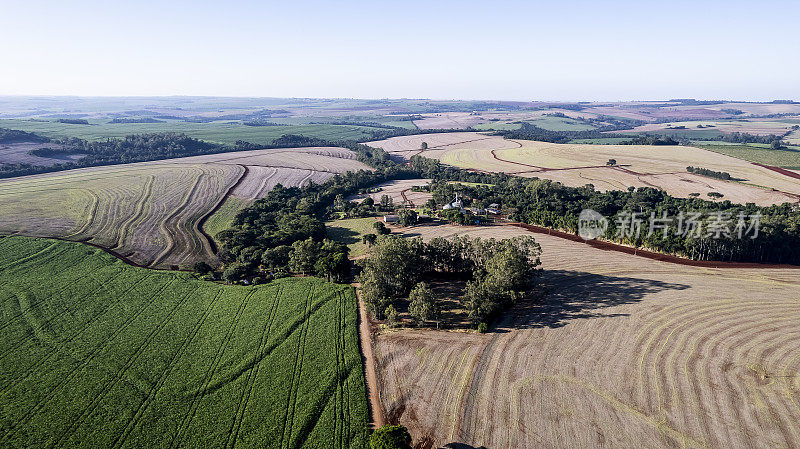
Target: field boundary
{"type": "Point", "coordinates": [202, 221]}
{"type": "Point", "coordinates": [377, 414]}
{"type": "Point", "coordinates": [608, 246]}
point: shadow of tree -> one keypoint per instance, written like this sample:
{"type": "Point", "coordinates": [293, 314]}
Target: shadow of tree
{"type": "Point", "coordinates": [461, 446]}
{"type": "Point", "coordinates": [572, 295]}
{"type": "Point", "coordinates": [343, 235]}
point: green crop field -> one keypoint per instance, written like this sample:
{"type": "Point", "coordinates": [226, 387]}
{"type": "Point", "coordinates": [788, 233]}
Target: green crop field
{"type": "Point", "coordinates": [223, 218]}
{"type": "Point", "coordinates": [761, 154]}
{"type": "Point", "coordinates": [225, 132]}
{"type": "Point", "coordinates": [96, 353]}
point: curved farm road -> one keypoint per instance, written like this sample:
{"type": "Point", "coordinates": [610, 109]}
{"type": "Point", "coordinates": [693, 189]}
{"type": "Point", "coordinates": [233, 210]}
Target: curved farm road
{"type": "Point", "coordinates": [376, 412]}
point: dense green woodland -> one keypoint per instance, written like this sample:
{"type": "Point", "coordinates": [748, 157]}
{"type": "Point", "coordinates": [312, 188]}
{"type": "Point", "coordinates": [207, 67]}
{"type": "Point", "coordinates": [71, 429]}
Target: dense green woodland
{"type": "Point", "coordinates": [96, 353]}
{"type": "Point", "coordinates": [497, 272]}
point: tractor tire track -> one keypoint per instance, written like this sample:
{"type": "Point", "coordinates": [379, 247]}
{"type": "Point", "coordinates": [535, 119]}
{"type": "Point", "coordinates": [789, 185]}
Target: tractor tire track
{"type": "Point", "coordinates": [163, 225]}
{"type": "Point", "coordinates": [54, 350]}
{"type": "Point", "coordinates": [138, 211]}
{"type": "Point", "coordinates": [212, 369]}
{"type": "Point", "coordinates": [120, 439]}
{"type": "Point", "coordinates": [91, 215]}
{"type": "Point", "coordinates": [241, 407]}
{"type": "Point", "coordinates": [119, 374]}
{"type": "Point", "coordinates": [297, 370]}
{"type": "Point", "coordinates": [209, 242]}
{"type": "Point", "coordinates": [77, 369]}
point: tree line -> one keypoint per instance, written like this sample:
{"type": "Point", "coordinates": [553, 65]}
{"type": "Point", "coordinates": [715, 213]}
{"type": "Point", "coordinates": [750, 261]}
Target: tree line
{"type": "Point", "coordinates": [553, 205]}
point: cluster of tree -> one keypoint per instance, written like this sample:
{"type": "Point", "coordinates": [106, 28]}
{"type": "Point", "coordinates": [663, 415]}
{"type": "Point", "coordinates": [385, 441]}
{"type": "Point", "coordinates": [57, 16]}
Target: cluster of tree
{"type": "Point", "coordinates": [553, 205]}
{"type": "Point", "coordinates": [149, 147]}
{"type": "Point", "coordinates": [737, 137]}
{"type": "Point", "coordinates": [650, 140]}
{"type": "Point", "coordinates": [135, 148]}
{"type": "Point", "coordinates": [323, 258]}
{"type": "Point", "coordinates": [15, 136]}
{"type": "Point", "coordinates": [497, 272]}
{"type": "Point", "coordinates": [260, 122]}
{"type": "Point", "coordinates": [120, 120]}
{"type": "Point", "coordinates": [258, 240]}
{"type": "Point", "coordinates": [73, 121]}
{"type": "Point", "coordinates": [710, 173]}
{"type": "Point", "coordinates": [529, 131]}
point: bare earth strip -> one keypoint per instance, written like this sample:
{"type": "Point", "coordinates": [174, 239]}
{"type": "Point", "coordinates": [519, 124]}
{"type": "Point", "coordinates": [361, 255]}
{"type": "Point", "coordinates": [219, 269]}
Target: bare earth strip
{"type": "Point", "coordinates": [623, 351]}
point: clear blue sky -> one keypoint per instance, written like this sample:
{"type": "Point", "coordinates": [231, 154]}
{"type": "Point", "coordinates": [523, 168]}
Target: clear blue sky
{"type": "Point", "coordinates": [556, 50]}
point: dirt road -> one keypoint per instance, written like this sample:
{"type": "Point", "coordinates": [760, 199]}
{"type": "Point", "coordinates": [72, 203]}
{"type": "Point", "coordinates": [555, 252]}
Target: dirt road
{"type": "Point", "coordinates": [376, 412]}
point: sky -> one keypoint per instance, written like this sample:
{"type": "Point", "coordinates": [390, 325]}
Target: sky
{"type": "Point", "coordinates": [499, 50]}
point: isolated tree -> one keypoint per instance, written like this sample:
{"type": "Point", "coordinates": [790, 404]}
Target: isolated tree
{"type": "Point", "coordinates": [392, 316]}
{"type": "Point", "coordinates": [715, 195]}
{"type": "Point", "coordinates": [386, 202]}
{"type": "Point", "coordinates": [423, 305]}
{"type": "Point", "coordinates": [611, 162]}
{"type": "Point", "coordinates": [407, 217]}
{"type": "Point", "coordinates": [390, 437]}
{"type": "Point", "coordinates": [424, 146]}
{"type": "Point", "coordinates": [339, 203]}
{"type": "Point", "coordinates": [369, 239]}
{"type": "Point", "coordinates": [381, 228]}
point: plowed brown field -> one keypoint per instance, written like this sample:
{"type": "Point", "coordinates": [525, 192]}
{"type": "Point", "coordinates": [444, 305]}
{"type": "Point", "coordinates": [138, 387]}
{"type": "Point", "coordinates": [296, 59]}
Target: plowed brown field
{"type": "Point", "coordinates": [662, 167]}
{"type": "Point", "coordinates": [151, 212]}
{"type": "Point", "coordinates": [622, 352]}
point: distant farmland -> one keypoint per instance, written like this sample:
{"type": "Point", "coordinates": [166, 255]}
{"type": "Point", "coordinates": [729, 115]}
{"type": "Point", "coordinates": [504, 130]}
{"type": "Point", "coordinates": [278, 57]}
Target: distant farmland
{"type": "Point", "coordinates": [96, 353]}
{"type": "Point", "coordinates": [224, 132]}
{"type": "Point", "coordinates": [151, 211]}
{"type": "Point", "coordinates": [662, 167]}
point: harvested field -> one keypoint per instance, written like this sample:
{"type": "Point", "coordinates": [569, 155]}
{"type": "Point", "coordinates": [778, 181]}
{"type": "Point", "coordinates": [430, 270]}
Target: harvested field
{"type": "Point", "coordinates": [150, 212]}
{"type": "Point", "coordinates": [399, 191]}
{"type": "Point", "coordinates": [146, 212]}
{"type": "Point", "coordinates": [662, 167]}
{"type": "Point", "coordinates": [96, 353]}
{"type": "Point", "coordinates": [19, 153]}
{"type": "Point", "coordinates": [623, 351]}
{"type": "Point", "coordinates": [463, 120]}
{"type": "Point", "coordinates": [761, 127]}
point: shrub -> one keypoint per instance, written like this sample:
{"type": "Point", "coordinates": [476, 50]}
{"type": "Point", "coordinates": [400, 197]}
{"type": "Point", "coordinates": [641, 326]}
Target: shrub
{"type": "Point", "coordinates": [390, 437]}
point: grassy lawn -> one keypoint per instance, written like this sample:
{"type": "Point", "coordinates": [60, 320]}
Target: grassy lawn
{"type": "Point", "coordinates": [100, 354]}
{"type": "Point", "coordinates": [350, 231]}
{"type": "Point", "coordinates": [223, 218]}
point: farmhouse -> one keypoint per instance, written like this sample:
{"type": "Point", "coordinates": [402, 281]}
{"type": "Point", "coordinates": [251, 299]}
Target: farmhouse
{"type": "Point", "coordinates": [457, 204]}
